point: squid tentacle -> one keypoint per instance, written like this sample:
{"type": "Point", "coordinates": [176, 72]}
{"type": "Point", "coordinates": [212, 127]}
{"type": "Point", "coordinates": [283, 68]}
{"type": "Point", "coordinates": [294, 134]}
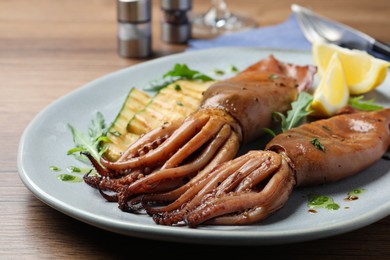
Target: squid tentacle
{"type": "Point", "coordinates": [245, 180]}
{"type": "Point", "coordinates": [271, 198]}
{"type": "Point", "coordinates": [154, 137]}
{"type": "Point", "coordinates": [204, 158]}
{"type": "Point", "coordinates": [149, 182]}
{"type": "Point", "coordinates": [205, 187]}
{"type": "Point", "coordinates": [179, 137]}
{"type": "Point", "coordinates": [228, 150]}
{"type": "Point", "coordinates": [209, 131]}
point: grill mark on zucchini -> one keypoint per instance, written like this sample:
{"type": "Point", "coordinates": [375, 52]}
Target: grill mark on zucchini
{"type": "Point", "coordinates": [142, 113]}
{"type": "Point", "coordinates": [117, 133]}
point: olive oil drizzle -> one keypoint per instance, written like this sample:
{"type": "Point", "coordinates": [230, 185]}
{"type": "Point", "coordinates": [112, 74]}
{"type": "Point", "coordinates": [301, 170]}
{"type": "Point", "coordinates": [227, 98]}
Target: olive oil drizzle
{"type": "Point", "coordinates": [321, 201]}
{"type": "Point", "coordinates": [354, 194]}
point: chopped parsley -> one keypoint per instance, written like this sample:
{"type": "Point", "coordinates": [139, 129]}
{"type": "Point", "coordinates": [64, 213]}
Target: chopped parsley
{"type": "Point", "coordinates": [69, 178]}
{"type": "Point", "coordinates": [321, 201]}
{"type": "Point", "coordinates": [55, 168]}
{"type": "Point", "coordinates": [233, 69]}
{"type": "Point", "coordinates": [317, 144]}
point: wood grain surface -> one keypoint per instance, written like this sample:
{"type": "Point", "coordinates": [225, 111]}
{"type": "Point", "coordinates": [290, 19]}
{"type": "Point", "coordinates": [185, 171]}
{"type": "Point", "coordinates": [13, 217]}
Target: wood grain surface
{"type": "Point", "coordinates": [50, 48]}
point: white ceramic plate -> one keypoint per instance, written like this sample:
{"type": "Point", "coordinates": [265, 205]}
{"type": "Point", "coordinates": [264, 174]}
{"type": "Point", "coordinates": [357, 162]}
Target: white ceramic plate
{"type": "Point", "coordinates": [47, 138]}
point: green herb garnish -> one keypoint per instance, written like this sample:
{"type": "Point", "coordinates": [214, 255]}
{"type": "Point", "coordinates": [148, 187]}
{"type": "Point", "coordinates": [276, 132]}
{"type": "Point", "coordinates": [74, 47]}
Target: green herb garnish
{"type": "Point", "coordinates": [55, 168]}
{"type": "Point", "coordinates": [219, 72]}
{"type": "Point", "coordinates": [73, 169]}
{"type": "Point", "coordinates": [365, 105]}
{"type": "Point", "coordinates": [332, 206]}
{"type": "Point", "coordinates": [233, 69]}
{"type": "Point", "coordinates": [177, 87]}
{"type": "Point", "coordinates": [317, 144]}
{"type": "Point", "coordinates": [298, 111]}
{"type": "Point", "coordinates": [69, 178]}
{"type": "Point", "coordinates": [356, 192]}
{"type": "Point", "coordinates": [269, 131]}
{"type": "Point", "coordinates": [321, 201]}
{"type": "Point", "coordinates": [179, 71]}
{"type": "Point", "coordinates": [93, 141]}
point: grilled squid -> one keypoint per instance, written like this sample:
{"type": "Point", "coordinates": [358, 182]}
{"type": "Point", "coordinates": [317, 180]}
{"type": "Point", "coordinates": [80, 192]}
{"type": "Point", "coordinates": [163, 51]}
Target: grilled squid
{"type": "Point", "coordinates": [177, 155]}
{"type": "Point", "coordinates": [251, 187]}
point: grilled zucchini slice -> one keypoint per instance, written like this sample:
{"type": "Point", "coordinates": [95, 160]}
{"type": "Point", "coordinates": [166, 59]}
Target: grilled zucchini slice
{"type": "Point", "coordinates": [120, 138]}
{"type": "Point", "coordinates": [174, 102]}
{"type": "Point", "coordinates": [142, 113]}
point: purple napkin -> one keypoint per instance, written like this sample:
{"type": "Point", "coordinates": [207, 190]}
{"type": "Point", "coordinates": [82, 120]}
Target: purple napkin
{"type": "Point", "coordinates": [286, 35]}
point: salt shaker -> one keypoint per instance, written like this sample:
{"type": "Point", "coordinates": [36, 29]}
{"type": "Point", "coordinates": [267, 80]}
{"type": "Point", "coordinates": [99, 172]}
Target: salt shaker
{"type": "Point", "coordinates": [176, 20]}
{"type": "Point", "coordinates": [134, 28]}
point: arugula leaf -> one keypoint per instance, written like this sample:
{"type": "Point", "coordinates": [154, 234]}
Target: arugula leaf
{"type": "Point", "coordinates": [184, 72]}
{"type": "Point", "coordinates": [298, 111]}
{"type": "Point", "coordinates": [91, 142]}
{"type": "Point", "coordinates": [179, 71]}
{"type": "Point", "coordinates": [365, 105]}
{"type": "Point", "coordinates": [269, 131]}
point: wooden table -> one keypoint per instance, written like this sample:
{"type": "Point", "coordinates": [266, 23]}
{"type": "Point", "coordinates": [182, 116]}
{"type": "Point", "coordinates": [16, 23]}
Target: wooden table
{"type": "Point", "coordinates": [50, 48]}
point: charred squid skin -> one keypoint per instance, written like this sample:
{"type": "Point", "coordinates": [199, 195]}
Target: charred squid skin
{"type": "Point", "coordinates": [108, 197]}
{"type": "Point", "coordinates": [92, 181]}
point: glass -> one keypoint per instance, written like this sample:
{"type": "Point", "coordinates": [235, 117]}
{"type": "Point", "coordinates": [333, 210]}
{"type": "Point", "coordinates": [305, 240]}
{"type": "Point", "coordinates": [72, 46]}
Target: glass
{"type": "Point", "coordinates": [220, 20]}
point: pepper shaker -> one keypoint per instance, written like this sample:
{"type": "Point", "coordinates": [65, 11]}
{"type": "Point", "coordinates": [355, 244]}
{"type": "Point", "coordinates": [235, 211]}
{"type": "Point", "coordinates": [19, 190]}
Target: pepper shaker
{"type": "Point", "coordinates": [176, 20]}
{"type": "Point", "coordinates": [134, 28]}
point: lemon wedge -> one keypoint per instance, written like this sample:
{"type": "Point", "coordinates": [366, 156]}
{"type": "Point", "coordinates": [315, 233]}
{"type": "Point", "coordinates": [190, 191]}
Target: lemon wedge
{"type": "Point", "coordinates": [332, 92]}
{"type": "Point", "coordinates": [363, 72]}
